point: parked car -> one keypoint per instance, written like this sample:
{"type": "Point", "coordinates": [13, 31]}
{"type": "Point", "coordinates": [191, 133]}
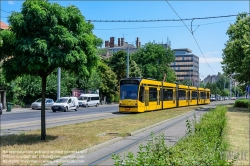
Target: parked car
{"type": "Point", "coordinates": [65, 104]}
{"type": "Point", "coordinates": [233, 98]}
{"type": "Point", "coordinates": [212, 99]}
{"type": "Point", "coordinates": [38, 103]}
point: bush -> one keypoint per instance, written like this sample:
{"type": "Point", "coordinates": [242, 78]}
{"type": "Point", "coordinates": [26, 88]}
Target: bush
{"type": "Point", "coordinates": [205, 146]}
{"type": "Point", "coordinates": [243, 103]}
{"type": "Point", "coordinates": [116, 97]}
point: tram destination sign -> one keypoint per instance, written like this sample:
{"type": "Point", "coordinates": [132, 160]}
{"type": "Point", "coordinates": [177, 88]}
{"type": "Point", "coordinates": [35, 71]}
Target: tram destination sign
{"type": "Point", "coordinates": [129, 82]}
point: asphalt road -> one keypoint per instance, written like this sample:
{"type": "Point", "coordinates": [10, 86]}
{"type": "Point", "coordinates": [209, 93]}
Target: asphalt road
{"type": "Point", "coordinates": [20, 120]}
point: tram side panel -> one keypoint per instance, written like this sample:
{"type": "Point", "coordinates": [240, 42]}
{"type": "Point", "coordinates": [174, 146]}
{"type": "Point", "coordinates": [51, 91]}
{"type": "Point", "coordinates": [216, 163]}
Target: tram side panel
{"type": "Point", "coordinates": [193, 97]}
{"type": "Point", "coordinates": [152, 98]}
{"type": "Point", "coordinates": [207, 101]}
{"type": "Point", "coordinates": [182, 94]}
{"type": "Point", "coordinates": [201, 96]}
{"type": "Point", "coordinates": [169, 97]}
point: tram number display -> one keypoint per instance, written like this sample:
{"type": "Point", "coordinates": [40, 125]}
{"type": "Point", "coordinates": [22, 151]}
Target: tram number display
{"type": "Point", "coordinates": [129, 82]}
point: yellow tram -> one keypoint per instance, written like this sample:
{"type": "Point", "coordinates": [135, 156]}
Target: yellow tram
{"type": "Point", "coordinates": [140, 95]}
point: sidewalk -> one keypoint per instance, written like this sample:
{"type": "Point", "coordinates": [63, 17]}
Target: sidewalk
{"type": "Point", "coordinates": [17, 110]}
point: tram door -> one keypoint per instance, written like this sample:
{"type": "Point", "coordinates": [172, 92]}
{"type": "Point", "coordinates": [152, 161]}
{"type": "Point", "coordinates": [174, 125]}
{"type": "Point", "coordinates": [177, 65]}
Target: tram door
{"type": "Point", "coordinates": [188, 97]}
{"type": "Point", "coordinates": [158, 98]}
{"type": "Point", "coordinates": [146, 98]}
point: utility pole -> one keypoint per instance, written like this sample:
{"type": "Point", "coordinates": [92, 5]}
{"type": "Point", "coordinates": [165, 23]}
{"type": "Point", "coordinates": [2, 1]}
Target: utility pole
{"type": "Point", "coordinates": [58, 82]}
{"type": "Point", "coordinates": [230, 88]}
{"type": "Point", "coordinates": [189, 78]}
{"type": "Point", "coordinates": [128, 63]}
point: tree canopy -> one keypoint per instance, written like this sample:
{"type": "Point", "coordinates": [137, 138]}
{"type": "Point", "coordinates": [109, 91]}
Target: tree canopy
{"type": "Point", "coordinates": [45, 36]}
{"type": "Point", "coordinates": [154, 60]}
{"type": "Point", "coordinates": [108, 82]}
{"type": "Point", "coordinates": [236, 54]}
{"type": "Point", "coordinates": [118, 64]}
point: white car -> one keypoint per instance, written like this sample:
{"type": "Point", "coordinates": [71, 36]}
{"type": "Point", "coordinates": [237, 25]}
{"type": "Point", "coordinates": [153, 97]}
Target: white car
{"type": "Point", "coordinates": [38, 103]}
{"type": "Point", "coordinates": [87, 100]}
{"type": "Point", "coordinates": [65, 104]}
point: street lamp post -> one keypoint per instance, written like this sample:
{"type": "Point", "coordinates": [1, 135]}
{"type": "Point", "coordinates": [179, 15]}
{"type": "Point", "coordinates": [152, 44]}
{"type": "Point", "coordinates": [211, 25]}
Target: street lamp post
{"type": "Point", "coordinates": [128, 62]}
{"type": "Point", "coordinates": [58, 82]}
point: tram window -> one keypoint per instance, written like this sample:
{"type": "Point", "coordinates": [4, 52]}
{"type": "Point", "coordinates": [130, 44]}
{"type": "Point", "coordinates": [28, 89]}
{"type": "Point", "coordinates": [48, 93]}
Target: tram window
{"type": "Point", "coordinates": [202, 95]}
{"type": "Point", "coordinates": [208, 96]}
{"type": "Point", "coordinates": [167, 94]}
{"type": "Point", "coordinates": [152, 94]}
{"type": "Point", "coordinates": [182, 94]}
{"type": "Point", "coordinates": [126, 91]}
{"type": "Point", "coordinates": [141, 94]}
{"type": "Point", "coordinates": [194, 95]}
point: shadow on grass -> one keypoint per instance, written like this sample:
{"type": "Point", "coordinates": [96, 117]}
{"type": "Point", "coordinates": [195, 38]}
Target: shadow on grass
{"type": "Point", "coordinates": [24, 139]}
{"type": "Point", "coordinates": [238, 109]}
{"type": "Point", "coordinates": [123, 113]}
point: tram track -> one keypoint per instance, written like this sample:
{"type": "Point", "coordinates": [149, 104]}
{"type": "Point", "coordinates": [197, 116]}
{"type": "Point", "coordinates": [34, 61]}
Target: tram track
{"type": "Point", "coordinates": [172, 122]}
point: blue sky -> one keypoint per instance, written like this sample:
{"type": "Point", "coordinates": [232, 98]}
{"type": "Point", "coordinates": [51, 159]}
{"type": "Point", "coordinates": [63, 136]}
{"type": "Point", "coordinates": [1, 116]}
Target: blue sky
{"type": "Point", "coordinates": [210, 34]}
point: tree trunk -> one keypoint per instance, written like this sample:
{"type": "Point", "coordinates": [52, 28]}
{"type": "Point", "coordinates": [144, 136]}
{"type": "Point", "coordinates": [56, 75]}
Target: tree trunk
{"type": "Point", "coordinates": [43, 127]}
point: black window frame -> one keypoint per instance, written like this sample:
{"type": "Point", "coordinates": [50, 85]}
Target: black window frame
{"type": "Point", "coordinates": [152, 94]}
{"type": "Point", "coordinates": [194, 97]}
{"type": "Point", "coordinates": [182, 94]}
{"type": "Point", "coordinates": [168, 94]}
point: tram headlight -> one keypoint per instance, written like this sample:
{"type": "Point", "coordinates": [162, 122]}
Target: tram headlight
{"type": "Point", "coordinates": [136, 103]}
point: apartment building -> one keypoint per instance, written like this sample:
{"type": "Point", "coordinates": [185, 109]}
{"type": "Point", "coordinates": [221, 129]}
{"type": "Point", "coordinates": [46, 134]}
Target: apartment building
{"type": "Point", "coordinates": [186, 66]}
{"type": "Point", "coordinates": [210, 79]}
{"type": "Point", "coordinates": [112, 47]}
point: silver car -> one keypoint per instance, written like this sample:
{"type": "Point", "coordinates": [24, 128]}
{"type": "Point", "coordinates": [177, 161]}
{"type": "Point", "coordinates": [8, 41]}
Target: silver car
{"type": "Point", "coordinates": [38, 103]}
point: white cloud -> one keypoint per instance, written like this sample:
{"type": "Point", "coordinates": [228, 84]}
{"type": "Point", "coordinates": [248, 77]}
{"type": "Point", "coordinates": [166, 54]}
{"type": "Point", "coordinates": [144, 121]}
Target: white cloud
{"type": "Point", "coordinates": [11, 2]}
{"type": "Point", "coordinates": [210, 60]}
{"type": "Point", "coordinates": [211, 57]}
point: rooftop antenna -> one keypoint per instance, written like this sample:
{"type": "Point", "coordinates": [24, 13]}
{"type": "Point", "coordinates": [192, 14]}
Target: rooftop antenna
{"type": "Point", "coordinates": [123, 34]}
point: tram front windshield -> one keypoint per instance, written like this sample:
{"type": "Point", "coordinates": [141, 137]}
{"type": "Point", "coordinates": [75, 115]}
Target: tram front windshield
{"type": "Point", "coordinates": [128, 91]}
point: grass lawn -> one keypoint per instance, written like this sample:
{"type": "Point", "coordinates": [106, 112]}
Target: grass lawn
{"type": "Point", "coordinates": [238, 134]}
{"type": "Point", "coordinates": [28, 149]}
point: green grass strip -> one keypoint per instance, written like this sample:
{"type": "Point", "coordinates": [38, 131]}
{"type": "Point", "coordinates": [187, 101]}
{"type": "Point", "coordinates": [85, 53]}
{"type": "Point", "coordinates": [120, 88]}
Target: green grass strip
{"type": "Point", "coordinates": [203, 146]}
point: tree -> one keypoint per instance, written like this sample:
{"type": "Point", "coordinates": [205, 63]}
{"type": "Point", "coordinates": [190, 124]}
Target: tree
{"type": "Point", "coordinates": [222, 81]}
{"type": "Point", "coordinates": [89, 83]}
{"type": "Point", "coordinates": [134, 70]}
{"type": "Point", "coordinates": [43, 37]}
{"type": "Point", "coordinates": [118, 64]}
{"type": "Point", "coordinates": [153, 60]}
{"type": "Point", "coordinates": [108, 81]}
{"type": "Point", "coordinates": [236, 54]}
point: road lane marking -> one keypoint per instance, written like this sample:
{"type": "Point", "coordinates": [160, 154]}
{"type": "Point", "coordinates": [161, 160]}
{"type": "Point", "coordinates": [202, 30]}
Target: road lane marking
{"type": "Point", "coordinates": [53, 120]}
